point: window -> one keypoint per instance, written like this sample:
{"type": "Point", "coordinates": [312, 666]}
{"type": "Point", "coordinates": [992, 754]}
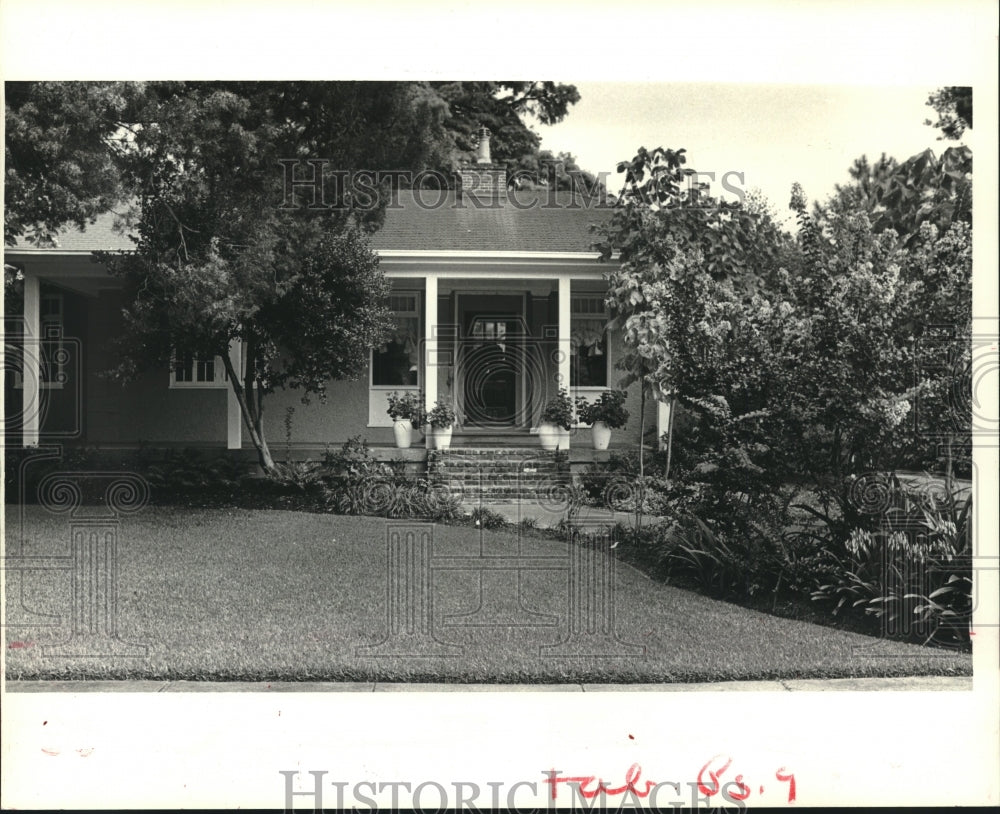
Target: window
{"type": "Point", "coordinates": [189, 371]}
{"type": "Point", "coordinates": [51, 347]}
{"type": "Point", "coordinates": [53, 352]}
{"type": "Point", "coordinates": [589, 363]}
{"type": "Point", "coordinates": [397, 362]}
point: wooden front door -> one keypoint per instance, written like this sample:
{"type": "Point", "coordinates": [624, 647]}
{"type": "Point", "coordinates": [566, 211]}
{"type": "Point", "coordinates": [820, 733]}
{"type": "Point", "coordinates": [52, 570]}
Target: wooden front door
{"type": "Point", "coordinates": [491, 368]}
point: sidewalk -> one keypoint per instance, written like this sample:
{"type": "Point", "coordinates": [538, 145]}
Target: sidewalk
{"type": "Point", "coordinates": [905, 684]}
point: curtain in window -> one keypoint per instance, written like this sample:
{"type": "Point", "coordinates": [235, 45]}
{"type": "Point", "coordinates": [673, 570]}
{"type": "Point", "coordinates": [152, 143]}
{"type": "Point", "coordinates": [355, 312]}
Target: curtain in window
{"type": "Point", "coordinates": [586, 332]}
{"type": "Point", "coordinates": [404, 333]}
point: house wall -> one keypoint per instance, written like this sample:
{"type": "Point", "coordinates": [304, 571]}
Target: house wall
{"type": "Point", "coordinates": [147, 410]}
{"type": "Point", "coordinates": [314, 425]}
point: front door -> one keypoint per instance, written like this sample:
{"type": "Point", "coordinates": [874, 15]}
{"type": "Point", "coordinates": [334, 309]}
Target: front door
{"type": "Point", "coordinates": [490, 370]}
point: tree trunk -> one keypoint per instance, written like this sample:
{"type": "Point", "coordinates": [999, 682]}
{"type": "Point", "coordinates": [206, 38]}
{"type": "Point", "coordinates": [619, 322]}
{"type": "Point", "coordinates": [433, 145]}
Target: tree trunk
{"type": "Point", "coordinates": [251, 415]}
{"type": "Point", "coordinates": [670, 439]}
{"type": "Point", "coordinates": [640, 497]}
{"type": "Point", "coordinates": [642, 425]}
{"type": "Point", "coordinates": [949, 466]}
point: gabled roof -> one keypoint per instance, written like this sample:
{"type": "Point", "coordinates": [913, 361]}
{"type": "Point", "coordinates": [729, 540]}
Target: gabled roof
{"type": "Point", "coordinates": [527, 221]}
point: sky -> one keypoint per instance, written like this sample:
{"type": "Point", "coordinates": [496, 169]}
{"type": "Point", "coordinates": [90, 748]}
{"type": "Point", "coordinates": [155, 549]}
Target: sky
{"type": "Point", "coordinates": [773, 134]}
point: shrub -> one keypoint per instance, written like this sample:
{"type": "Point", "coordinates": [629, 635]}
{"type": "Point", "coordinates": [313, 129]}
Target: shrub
{"type": "Point", "coordinates": [905, 562]}
{"type": "Point", "coordinates": [698, 553]}
{"type": "Point", "coordinates": [615, 485]}
{"type": "Point", "coordinates": [609, 407]}
{"type": "Point", "coordinates": [559, 410]}
{"type": "Point", "coordinates": [187, 471]}
{"type": "Point", "coordinates": [486, 518]}
{"type": "Point", "coordinates": [359, 484]}
{"type": "Point", "coordinates": [303, 476]}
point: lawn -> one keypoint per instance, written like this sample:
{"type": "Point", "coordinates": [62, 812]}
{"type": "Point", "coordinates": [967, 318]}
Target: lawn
{"type": "Point", "coordinates": [280, 595]}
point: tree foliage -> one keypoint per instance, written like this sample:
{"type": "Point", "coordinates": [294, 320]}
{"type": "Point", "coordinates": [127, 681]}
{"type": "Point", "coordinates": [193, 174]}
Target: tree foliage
{"type": "Point", "coordinates": [684, 258]}
{"type": "Point", "coordinates": [789, 358]}
{"type": "Point", "coordinates": [62, 139]}
{"type": "Point", "coordinates": [925, 188]}
{"type": "Point", "coordinates": [504, 107]}
{"type": "Point", "coordinates": [953, 106]}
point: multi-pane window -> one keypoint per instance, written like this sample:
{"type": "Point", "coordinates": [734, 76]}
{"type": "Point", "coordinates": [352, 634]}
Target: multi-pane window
{"type": "Point", "coordinates": [50, 352]}
{"type": "Point", "coordinates": [396, 363]}
{"type": "Point", "coordinates": [53, 353]}
{"type": "Point", "coordinates": [589, 363]}
{"type": "Point", "coordinates": [190, 371]}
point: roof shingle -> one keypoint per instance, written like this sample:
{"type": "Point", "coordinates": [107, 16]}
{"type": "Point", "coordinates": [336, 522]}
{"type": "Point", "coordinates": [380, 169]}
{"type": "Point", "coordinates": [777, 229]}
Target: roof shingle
{"type": "Point", "coordinates": [527, 221]}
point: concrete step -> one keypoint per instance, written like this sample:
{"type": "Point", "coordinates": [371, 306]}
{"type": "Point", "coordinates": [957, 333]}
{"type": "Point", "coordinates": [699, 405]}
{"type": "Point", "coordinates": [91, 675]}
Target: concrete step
{"type": "Point", "coordinates": [499, 473]}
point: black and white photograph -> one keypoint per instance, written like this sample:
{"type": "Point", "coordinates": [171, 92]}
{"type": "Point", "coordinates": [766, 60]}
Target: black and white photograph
{"type": "Point", "coordinates": [382, 432]}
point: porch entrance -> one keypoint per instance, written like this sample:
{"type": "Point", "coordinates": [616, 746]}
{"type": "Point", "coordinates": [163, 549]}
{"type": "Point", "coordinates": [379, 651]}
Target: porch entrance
{"type": "Point", "coordinates": [491, 362]}
{"type": "Point", "coordinates": [491, 371]}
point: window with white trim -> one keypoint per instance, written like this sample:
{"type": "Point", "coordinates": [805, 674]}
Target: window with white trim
{"type": "Point", "coordinates": [396, 363]}
{"type": "Point", "coordinates": [193, 372]}
{"type": "Point", "coordinates": [51, 348]}
{"type": "Point", "coordinates": [588, 331]}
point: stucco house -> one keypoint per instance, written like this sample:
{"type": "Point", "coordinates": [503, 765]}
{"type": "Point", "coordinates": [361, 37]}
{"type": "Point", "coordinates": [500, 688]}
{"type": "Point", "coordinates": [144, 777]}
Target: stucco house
{"type": "Point", "coordinates": [497, 297]}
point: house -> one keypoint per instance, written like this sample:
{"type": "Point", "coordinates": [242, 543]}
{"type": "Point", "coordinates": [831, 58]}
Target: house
{"type": "Point", "coordinates": [497, 297]}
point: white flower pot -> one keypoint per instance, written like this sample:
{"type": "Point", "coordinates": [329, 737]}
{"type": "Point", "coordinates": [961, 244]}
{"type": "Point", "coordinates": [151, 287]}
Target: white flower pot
{"type": "Point", "coordinates": [548, 434]}
{"type": "Point", "coordinates": [563, 438]}
{"type": "Point", "coordinates": [442, 437]}
{"type": "Point", "coordinates": [601, 435]}
{"type": "Point", "coordinates": [402, 429]}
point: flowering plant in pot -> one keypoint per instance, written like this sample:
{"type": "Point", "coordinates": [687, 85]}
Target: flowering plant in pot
{"type": "Point", "coordinates": [406, 413]}
{"type": "Point", "coordinates": [557, 418]}
{"type": "Point", "coordinates": [606, 413]}
{"type": "Point", "coordinates": [441, 418]}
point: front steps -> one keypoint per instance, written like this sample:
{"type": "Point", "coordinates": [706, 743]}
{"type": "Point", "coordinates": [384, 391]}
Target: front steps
{"type": "Point", "coordinates": [498, 473]}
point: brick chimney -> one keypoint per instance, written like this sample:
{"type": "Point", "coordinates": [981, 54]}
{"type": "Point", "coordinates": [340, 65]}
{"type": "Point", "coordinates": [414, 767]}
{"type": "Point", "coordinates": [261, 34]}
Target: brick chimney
{"type": "Point", "coordinates": [483, 180]}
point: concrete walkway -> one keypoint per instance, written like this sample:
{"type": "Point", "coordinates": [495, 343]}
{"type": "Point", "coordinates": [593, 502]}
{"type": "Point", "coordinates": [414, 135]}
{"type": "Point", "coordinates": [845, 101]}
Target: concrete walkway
{"type": "Point", "coordinates": [905, 684]}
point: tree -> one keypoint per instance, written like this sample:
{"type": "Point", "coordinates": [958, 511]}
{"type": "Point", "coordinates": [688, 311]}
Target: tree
{"type": "Point", "coordinates": [219, 258]}
{"type": "Point", "coordinates": [502, 107]}
{"type": "Point", "coordinates": [802, 368]}
{"type": "Point", "coordinates": [685, 261]}
{"type": "Point", "coordinates": [62, 139]}
{"type": "Point", "coordinates": [953, 106]}
{"type": "Point", "coordinates": [902, 196]}
{"type": "Point", "coordinates": [558, 171]}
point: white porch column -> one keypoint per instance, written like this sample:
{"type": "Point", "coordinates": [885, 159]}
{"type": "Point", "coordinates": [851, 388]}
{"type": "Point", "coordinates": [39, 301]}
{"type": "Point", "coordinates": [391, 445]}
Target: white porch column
{"type": "Point", "coordinates": [564, 357]}
{"type": "Point", "coordinates": [430, 340]}
{"type": "Point", "coordinates": [31, 367]}
{"type": "Point", "coordinates": [234, 418]}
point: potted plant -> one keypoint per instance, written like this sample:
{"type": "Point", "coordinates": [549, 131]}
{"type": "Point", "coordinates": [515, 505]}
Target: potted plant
{"type": "Point", "coordinates": [441, 418]}
{"type": "Point", "coordinates": [405, 411]}
{"type": "Point", "coordinates": [605, 414]}
{"type": "Point", "coordinates": [557, 418]}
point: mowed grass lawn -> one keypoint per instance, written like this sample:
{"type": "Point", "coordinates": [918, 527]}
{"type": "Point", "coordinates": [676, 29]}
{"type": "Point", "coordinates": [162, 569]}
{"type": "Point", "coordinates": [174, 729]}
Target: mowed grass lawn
{"type": "Point", "coordinates": [273, 595]}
